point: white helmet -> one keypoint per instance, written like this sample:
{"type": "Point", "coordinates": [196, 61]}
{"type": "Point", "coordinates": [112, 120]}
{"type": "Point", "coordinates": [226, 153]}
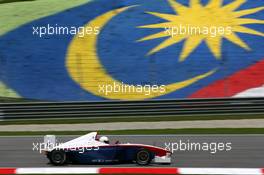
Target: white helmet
{"type": "Point", "coordinates": [104, 139]}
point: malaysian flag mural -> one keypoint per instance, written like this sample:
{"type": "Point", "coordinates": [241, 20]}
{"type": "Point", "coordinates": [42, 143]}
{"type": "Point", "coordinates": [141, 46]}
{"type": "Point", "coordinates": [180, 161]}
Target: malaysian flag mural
{"type": "Point", "coordinates": [134, 50]}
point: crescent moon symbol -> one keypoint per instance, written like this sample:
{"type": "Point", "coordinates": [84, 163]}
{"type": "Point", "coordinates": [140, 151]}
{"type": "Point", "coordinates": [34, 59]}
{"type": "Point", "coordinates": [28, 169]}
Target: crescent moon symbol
{"type": "Point", "coordinates": [86, 69]}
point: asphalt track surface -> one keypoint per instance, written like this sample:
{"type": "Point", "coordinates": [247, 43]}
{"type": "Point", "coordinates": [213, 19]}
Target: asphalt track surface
{"type": "Point", "coordinates": [243, 123]}
{"type": "Point", "coordinates": [247, 151]}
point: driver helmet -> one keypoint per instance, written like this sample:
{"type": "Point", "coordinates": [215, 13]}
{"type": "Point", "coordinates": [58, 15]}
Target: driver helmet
{"type": "Point", "coordinates": [104, 139]}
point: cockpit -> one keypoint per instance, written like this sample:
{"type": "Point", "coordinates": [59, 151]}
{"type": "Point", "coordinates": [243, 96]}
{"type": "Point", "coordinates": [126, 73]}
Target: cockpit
{"type": "Point", "coordinates": [104, 139]}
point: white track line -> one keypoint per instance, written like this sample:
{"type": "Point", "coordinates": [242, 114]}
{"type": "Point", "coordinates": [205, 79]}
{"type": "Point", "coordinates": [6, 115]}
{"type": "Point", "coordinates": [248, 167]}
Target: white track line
{"type": "Point", "coordinates": [221, 171]}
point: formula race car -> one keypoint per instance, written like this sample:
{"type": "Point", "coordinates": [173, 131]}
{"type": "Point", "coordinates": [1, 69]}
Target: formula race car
{"type": "Point", "coordinates": [89, 149]}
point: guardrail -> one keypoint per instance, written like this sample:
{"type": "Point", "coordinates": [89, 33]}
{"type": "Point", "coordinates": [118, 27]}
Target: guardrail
{"type": "Point", "coordinates": [55, 110]}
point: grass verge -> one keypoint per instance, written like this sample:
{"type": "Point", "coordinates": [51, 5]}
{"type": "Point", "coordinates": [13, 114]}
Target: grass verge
{"type": "Point", "coordinates": [134, 119]}
{"type": "Point", "coordinates": [147, 132]}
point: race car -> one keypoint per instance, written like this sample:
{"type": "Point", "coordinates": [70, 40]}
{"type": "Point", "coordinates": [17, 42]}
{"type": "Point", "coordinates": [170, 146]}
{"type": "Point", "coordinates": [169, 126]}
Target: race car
{"type": "Point", "coordinates": [90, 149]}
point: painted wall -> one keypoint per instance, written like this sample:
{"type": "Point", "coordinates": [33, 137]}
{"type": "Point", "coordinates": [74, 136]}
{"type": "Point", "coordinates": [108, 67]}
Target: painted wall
{"type": "Point", "coordinates": [128, 52]}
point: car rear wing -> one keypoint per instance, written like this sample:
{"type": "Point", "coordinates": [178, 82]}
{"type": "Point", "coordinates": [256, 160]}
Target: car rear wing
{"type": "Point", "coordinates": [49, 142]}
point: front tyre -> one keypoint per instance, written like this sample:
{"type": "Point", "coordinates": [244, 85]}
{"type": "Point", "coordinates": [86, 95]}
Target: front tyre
{"type": "Point", "coordinates": [143, 157]}
{"type": "Point", "coordinates": [58, 157]}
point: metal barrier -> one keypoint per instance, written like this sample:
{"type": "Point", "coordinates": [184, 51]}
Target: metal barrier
{"type": "Point", "coordinates": [55, 110]}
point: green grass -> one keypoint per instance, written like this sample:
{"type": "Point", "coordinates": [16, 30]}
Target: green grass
{"type": "Point", "coordinates": [147, 132]}
{"type": "Point", "coordinates": [134, 119]}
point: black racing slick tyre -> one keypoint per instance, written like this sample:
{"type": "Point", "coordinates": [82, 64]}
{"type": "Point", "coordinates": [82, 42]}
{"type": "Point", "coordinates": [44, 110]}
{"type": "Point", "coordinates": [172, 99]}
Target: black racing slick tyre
{"type": "Point", "coordinates": [143, 157]}
{"type": "Point", "coordinates": [58, 157]}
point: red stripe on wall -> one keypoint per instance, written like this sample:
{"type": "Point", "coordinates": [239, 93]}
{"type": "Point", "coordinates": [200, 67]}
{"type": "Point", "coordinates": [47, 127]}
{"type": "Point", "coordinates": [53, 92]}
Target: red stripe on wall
{"type": "Point", "coordinates": [138, 171]}
{"type": "Point", "coordinates": [245, 79]}
{"type": "Point", "coordinates": [7, 170]}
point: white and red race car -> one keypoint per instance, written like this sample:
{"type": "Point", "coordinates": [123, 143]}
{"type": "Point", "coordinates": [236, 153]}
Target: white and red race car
{"type": "Point", "coordinates": [89, 149]}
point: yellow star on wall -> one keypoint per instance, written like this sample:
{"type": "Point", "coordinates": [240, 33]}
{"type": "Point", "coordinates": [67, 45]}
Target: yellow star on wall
{"type": "Point", "coordinates": [212, 14]}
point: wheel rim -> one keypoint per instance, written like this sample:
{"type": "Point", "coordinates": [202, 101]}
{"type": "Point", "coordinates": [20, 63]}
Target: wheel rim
{"type": "Point", "coordinates": [143, 156]}
{"type": "Point", "coordinates": [57, 158]}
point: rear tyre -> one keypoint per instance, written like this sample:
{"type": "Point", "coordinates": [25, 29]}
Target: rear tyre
{"type": "Point", "coordinates": [58, 157]}
{"type": "Point", "coordinates": [143, 157]}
